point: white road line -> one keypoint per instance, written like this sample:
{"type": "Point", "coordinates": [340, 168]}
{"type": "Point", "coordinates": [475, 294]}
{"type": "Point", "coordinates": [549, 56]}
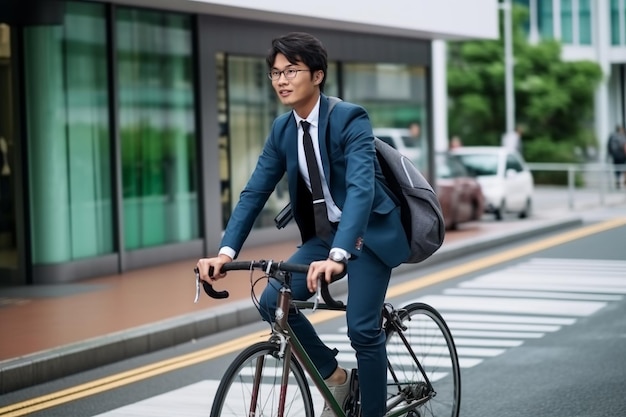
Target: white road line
{"type": "Point", "coordinates": [488, 334]}
{"type": "Point", "coordinates": [190, 401]}
{"type": "Point", "coordinates": [554, 278]}
{"type": "Point", "coordinates": [468, 341]}
{"type": "Point", "coordinates": [468, 325]}
{"type": "Point", "coordinates": [533, 294]}
{"type": "Point", "coordinates": [514, 305]}
{"type": "Point", "coordinates": [503, 318]}
{"type": "Point", "coordinates": [590, 288]}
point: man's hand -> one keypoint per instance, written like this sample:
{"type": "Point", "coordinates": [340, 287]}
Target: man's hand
{"type": "Point", "coordinates": [213, 265]}
{"type": "Point", "coordinates": [325, 269]}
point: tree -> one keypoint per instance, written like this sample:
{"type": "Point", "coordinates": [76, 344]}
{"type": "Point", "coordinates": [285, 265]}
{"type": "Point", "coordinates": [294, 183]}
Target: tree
{"type": "Point", "coordinates": [553, 98]}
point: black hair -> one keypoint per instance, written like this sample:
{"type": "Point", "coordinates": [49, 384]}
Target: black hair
{"type": "Point", "coordinates": [300, 47]}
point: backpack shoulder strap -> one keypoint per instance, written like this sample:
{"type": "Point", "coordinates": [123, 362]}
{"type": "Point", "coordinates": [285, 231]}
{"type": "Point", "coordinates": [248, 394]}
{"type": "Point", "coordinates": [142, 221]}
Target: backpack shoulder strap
{"type": "Point", "coordinates": [332, 102]}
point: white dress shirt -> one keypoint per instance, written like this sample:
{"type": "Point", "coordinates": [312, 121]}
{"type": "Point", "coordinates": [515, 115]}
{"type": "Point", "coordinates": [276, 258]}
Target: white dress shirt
{"type": "Point", "coordinates": [333, 212]}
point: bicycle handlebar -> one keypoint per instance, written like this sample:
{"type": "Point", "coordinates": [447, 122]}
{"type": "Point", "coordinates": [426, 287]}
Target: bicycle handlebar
{"type": "Point", "coordinates": [271, 269]}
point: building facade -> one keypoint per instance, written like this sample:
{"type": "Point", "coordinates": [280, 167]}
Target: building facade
{"type": "Point", "coordinates": [592, 30]}
{"type": "Point", "coordinates": [129, 127]}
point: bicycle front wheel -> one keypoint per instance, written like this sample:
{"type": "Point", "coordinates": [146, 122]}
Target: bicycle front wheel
{"type": "Point", "coordinates": [251, 386]}
{"type": "Point", "coordinates": [425, 350]}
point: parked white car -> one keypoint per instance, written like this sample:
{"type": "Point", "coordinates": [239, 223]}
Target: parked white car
{"type": "Point", "coordinates": [504, 177]}
{"type": "Point", "coordinates": [402, 140]}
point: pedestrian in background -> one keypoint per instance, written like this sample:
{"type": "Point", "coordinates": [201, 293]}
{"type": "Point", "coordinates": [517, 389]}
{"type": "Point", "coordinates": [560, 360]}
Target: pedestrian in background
{"type": "Point", "coordinates": [455, 142]}
{"type": "Point", "coordinates": [616, 148]}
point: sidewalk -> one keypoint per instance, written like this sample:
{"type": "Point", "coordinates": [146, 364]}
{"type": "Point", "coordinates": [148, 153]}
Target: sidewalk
{"type": "Point", "coordinates": [55, 330]}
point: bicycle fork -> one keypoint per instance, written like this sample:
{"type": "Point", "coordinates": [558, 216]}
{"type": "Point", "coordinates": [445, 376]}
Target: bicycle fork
{"type": "Point", "coordinates": [292, 346]}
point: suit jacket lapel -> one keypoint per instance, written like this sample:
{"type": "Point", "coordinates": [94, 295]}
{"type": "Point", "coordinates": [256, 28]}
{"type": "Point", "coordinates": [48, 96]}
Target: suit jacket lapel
{"type": "Point", "coordinates": [291, 150]}
{"type": "Point", "coordinates": [323, 141]}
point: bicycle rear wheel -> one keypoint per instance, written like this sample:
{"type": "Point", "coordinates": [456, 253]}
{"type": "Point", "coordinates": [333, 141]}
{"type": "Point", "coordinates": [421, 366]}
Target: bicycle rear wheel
{"type": "Point", "coordinates": [239, 395]}
{"type": "Point", "coordinates": [430, 340]}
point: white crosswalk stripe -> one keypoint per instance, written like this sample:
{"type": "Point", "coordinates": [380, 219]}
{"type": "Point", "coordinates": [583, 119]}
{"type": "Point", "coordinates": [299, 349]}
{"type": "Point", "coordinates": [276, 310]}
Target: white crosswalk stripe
{"type": "Point", "coordinates": [487, 315]}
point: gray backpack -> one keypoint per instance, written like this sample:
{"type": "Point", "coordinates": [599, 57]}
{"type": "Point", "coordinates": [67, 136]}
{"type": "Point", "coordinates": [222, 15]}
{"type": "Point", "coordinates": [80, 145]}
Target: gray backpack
{"type": "Point", "coordinates": [420, 210]}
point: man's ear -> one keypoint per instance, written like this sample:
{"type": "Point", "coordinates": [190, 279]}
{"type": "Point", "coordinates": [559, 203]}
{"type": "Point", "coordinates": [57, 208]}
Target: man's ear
{"type": "Point", "coordinates": [318, 77]}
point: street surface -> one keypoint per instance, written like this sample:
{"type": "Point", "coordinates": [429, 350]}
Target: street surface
{"type": "Point", "coordinates": [540, 328]}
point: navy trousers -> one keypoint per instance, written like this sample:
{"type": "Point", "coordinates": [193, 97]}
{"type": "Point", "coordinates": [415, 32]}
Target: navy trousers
{"type": "Point", "coordinates": [368, 279]}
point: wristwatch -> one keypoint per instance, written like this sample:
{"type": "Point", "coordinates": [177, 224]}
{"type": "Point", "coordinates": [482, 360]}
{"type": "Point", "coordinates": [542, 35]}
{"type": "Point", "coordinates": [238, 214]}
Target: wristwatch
{"type": "Point", "coordinates": [337, 256]}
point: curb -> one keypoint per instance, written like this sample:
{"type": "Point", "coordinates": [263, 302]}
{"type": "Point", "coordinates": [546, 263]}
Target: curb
{"type": "Point", "coordinates": [59, 362]}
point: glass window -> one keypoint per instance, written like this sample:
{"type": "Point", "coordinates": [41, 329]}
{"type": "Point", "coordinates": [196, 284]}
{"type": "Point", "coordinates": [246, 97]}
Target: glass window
{"type": "Point", "coordinates": [252, 106]}
{"type": "Point", "coordinates": [545, 19]}
{"type": "Point", "coordinates": [69, 137]}
{"type": "Point", "coordinates": [513, 163]}
{"type": "Point", "coordinates": [9, 254]}
{"type": "Point", "coordinates": [157, 127]}
{"type": "Point", "coordinates": [566, 21]}
{"type": "Point", "coordinates": [480, 164]}
{"type": "Point", "coordinates": [584, 22]}
{"type": "Point", "coordinates": [395, 98]}
{"type": "Point", "coordinates": [615, 29]}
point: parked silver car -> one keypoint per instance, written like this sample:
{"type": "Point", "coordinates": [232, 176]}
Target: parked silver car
{"type": "Point", "coordinates": [402, 140]}
{"type": "Point", "coordinates": [504, 177]}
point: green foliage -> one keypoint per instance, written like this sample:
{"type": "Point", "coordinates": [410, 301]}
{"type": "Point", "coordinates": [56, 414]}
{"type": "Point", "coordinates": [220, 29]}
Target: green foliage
{"type": "Point", "coordinates": [553, 98]}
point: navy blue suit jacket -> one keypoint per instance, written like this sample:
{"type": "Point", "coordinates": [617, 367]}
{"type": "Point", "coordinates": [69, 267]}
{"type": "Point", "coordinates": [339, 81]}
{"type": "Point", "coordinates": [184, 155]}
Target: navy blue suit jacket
{"type": "Point", "coordinates": [370, 216]}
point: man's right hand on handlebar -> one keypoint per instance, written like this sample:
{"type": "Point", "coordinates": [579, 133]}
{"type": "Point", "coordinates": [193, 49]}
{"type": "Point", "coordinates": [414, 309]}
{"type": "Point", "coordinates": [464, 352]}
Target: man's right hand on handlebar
{"type": "Point", "coordinates": [210, 268]}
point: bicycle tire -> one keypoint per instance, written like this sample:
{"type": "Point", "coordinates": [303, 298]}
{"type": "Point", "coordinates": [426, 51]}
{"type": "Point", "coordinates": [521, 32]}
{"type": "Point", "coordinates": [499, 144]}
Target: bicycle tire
{"type": "Point", "coordinates": [431, 341]}
{"type": "Point", "coordinates": [234, 394]}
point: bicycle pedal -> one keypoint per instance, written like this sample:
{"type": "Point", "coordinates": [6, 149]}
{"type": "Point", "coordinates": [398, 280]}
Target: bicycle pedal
{"type": "Point", "coordinates": [354, 380]}
{"type": "Point", "coordinates": [353, 403]}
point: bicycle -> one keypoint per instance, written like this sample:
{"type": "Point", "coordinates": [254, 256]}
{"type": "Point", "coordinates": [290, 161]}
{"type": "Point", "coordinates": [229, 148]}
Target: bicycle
{"type": "Point", "coordinates": [269, 378]}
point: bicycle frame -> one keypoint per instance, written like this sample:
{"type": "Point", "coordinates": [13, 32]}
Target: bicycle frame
{"type": "Point", "coordinates": [410, 394]}
{"type": "Point", "coordinates": [290, 344]}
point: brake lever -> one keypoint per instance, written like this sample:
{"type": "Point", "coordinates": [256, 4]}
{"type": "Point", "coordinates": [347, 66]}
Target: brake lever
{"type": "Point", "coordinates": [195, 300]}
{"type": "Point", "coordinates": [208, 288]}
{"type": "Point", "coordinates": [318, 293]}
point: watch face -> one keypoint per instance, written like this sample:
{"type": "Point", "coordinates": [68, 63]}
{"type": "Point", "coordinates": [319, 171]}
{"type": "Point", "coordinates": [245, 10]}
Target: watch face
{"type": "Point", "coordinates": [337, 257]}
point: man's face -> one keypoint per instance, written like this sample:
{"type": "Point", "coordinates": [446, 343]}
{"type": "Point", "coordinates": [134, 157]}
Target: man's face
{"type": "Point", "coordinates": [300, 92]}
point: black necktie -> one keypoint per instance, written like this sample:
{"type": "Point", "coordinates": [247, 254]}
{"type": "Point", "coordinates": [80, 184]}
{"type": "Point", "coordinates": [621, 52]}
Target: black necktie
{"type": "Point", "coordinates": [322, 225]}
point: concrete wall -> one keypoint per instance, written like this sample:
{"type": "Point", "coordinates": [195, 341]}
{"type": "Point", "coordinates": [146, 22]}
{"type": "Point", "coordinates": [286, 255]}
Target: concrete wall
{"type": "Point", "coordinates": [423, 19]}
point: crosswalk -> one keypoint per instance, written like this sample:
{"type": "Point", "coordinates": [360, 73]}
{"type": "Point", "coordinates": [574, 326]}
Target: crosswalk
{"type": "Point", "coordinates": [487, 315]}
{"type": "Point", "coordinates": [500, 310]}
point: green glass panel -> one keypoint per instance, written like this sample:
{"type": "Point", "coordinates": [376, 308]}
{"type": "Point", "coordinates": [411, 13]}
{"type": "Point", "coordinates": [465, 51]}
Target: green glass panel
{"type": "Point", "coordinates": [545, 19]}
{"type": "Point", "coordinates": [566, 21]}
{"type": "Point", "coordinates": [615, 28]}
{"type": "Point", "coordinates": [68, 136]}
{"type": "Point", "coordinates": [252, 106]}
{"type": "Point", "coordinates": [157, 127]}
{"type": "Point", "coordinates": [584, 22]}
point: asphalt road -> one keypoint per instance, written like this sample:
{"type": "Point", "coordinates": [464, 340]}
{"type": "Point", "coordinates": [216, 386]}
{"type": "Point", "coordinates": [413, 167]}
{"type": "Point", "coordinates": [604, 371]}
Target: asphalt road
{"type": "Point", "coordinates": [540, 325]}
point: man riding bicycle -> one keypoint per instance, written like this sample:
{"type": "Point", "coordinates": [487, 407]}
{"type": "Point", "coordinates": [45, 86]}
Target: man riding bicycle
{"type": "Point", "coordinates": [359, 227]}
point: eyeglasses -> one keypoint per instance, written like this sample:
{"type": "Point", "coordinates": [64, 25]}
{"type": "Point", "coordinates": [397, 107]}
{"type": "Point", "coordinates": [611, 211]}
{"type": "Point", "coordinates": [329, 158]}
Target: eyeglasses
{"type": "Point", "coordinates": [289, 74]}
